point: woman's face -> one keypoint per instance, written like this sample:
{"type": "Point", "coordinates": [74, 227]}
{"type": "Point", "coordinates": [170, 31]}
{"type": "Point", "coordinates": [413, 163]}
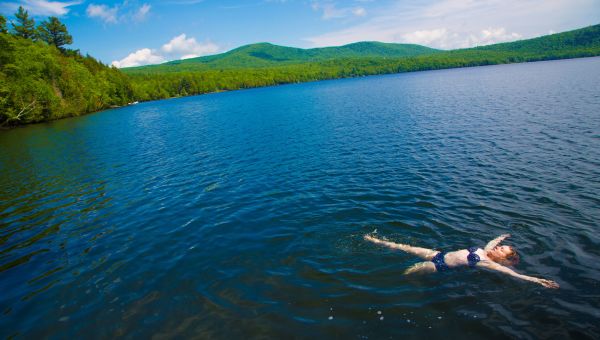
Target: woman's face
{"type": "Point", "coordinates": [502, 251]}
{"type": "Point", "coordinates": [500, 254]}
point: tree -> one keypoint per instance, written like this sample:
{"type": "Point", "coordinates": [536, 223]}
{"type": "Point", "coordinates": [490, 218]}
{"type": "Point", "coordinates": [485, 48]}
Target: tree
{"type": "Point", "coordinates": [6, 52]}
{"type": "Point", "coordinates": [2, 24]}
{"type": "Point", "coordinates": [24, 27]}
{"type": "Point", "coordinates": [54, 33]}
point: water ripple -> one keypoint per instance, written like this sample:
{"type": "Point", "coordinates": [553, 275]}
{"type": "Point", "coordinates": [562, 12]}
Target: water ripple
{"type": "Point", "coordinates": [242, 214]}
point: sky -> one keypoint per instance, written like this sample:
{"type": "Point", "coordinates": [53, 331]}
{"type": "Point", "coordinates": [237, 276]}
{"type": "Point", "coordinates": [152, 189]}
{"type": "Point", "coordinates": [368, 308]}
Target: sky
{"type": "Point", "coordinates": [138, 32]}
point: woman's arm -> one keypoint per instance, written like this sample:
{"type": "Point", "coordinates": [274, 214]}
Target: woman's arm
{"type": "Point", "coordinates": [493, 243]}
{"type": "Point", "coordinates": [499, 268]}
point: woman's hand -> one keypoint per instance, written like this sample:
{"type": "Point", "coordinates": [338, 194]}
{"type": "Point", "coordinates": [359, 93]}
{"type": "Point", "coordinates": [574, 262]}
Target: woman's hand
{"type": "Point", "coordinates": [548, 283]}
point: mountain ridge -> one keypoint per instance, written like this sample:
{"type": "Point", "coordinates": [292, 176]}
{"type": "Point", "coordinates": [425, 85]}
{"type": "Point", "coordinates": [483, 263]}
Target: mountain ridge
{"type": "Point", "coordinates": [265, 54]}
{"type": "Point", "coordinates": [265, 64]}
{"type": "Point", "coordinates": [39, 82]}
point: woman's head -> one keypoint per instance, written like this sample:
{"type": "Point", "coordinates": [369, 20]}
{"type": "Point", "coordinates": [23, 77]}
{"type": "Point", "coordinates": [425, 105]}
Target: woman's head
{"type": "Point", "coordinates": [505, 255]}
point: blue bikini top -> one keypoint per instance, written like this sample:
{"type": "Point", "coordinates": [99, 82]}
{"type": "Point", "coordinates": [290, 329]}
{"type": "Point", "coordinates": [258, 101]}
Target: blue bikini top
{"type": "Point", "coordinates": [473, 258]}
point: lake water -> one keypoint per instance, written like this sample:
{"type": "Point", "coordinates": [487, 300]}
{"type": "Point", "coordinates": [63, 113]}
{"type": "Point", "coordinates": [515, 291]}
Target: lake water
{"type": "Point", "coordinates": [241, 214]}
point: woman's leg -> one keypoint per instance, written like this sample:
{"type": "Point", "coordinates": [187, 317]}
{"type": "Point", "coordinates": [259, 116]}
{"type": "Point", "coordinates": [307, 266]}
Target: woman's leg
{"type": "Point", "coordinates": [421, 268]}
{"type": "Point", "coordinates": [424, 253]}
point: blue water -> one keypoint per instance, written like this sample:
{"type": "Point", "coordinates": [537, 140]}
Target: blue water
{"type": "Point", "coordinates": [241, 214]}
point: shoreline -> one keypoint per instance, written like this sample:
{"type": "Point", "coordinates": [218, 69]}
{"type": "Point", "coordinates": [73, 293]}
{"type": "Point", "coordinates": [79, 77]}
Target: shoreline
{"type": "Point", "coordinates": [6, 128]}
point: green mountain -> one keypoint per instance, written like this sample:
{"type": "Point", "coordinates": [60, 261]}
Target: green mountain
{"type": "Point", "coordinates": [266, 64]}
{"type": "Point", "coordinates": [263, 55]}
{"type": "Point", "coordinates": [268, 55]}
{"type": "Point", "coordinates": [40, 82]}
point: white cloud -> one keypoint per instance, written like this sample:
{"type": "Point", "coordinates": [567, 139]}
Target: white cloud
{"type": "Point", "coordinates": [331, 11]}
{"type": "Point", "coordinates": [121, 12]}
{"type": "Point", "coordinates": [40, 7]}
{"type": "Point", "coordinates": [437, 37]}
{"type": "Point", "coordinates": [105, 13]}
{"type": "Point", "coordinates": [184, 2]}
{"type": "Point", "coordinates": [142, 13]}
{"type": "Point", "coordinates": [141, 57]}
{"type": "Point", "coordinates": [359, 11]}
{"type": "Point", "coordinates": [180, 47]}
{"type": "Point", "coordinates": [446, 39]}
{"type": "Point", "coordinates": [493, 36]}
{"type": "Point", "coordinates": [188, 47]}
{"type": "Point", "coordinates": [452, 24]}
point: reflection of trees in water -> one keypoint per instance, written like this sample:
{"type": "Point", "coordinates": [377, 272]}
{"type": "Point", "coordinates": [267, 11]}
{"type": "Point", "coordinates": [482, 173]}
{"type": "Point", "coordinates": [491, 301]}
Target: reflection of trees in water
{"type": "Point", "coordinates": [52, 196]}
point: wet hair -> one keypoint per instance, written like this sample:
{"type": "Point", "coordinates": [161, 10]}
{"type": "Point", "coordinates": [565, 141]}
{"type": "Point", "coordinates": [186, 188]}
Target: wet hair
{"type": "Point", "coordinates": [511, 259]}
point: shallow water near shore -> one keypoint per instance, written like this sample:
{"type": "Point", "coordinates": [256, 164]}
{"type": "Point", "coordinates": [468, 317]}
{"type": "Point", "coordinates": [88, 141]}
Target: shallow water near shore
{"type": "Point", "coordinates": [241, 214]}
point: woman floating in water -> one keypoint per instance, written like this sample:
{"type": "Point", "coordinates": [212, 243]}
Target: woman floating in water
{"type": "Point", "coordinates": [493, 256]}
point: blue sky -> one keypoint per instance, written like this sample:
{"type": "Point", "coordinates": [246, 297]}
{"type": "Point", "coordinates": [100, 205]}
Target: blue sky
{"type": "Point", "coordinates": [138, 32]}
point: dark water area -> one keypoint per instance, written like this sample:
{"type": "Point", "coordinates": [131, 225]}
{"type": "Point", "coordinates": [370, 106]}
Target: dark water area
{"type": "Point", "coordinates": [241, 214]}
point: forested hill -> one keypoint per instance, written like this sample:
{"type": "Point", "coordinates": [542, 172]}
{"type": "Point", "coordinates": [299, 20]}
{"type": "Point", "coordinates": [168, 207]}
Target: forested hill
{"type": "Point", "coordinates": [268, 55]}
{"type": "Point", "coordinates": [41, 80]}
{"type": "Point", "coordinates": [272, 65]}
{"type": "Point", "coordinates": [588, 37]}
{"type": "Point", "coordinates": [39, 83]}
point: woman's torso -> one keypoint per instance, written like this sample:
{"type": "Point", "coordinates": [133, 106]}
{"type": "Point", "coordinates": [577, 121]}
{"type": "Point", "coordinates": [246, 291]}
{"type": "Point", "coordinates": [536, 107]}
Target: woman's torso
{"type": "Point", "coordinates": [461, 257]}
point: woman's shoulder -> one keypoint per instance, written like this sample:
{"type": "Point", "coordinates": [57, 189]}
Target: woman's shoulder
{"type": "Point", "coordinates": [482, 254]}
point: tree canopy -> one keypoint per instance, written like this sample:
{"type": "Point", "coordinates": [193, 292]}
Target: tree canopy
{"type": "Point", "coordinates": [54, 33]}
{"type": "Point", "coordinates": [24, 26]}
{"type": "Point", "coordinates": [3, 24]}
{"type": "Point", "coordinates": [38, 83]}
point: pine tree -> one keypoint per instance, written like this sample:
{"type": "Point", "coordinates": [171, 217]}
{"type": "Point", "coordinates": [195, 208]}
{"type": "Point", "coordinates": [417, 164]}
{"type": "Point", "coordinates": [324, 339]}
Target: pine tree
{"type": "Point", "coordinates": [2, 24]}
{"type": "Point", "coordinates": [54, 33]}
{"type": "Point", "coordinates": [25, 27]}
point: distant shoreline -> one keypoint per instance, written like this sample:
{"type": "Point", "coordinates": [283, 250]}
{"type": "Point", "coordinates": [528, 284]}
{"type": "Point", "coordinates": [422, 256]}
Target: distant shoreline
{"type": "Point", "coordinates": [69, 84]}
{"type": "Point", "coordinates": [301, 82]}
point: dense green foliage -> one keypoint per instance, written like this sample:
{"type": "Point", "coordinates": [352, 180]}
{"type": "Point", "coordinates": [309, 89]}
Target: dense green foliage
{"type": "Point", "coordinates": [40, 80]}
{"type": "Point", "coordinates": [3, 24]}
{"type": "Point", "coordinates": [583, 38]}
{"type": "Point", "coordinates": [272, 65]}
